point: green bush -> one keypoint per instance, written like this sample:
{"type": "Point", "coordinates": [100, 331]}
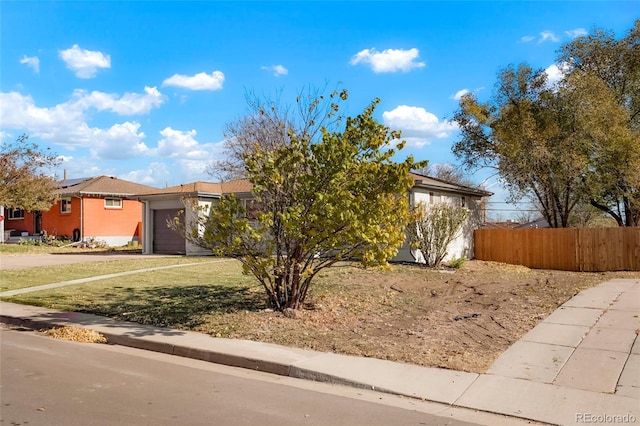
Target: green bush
{"type": "Point", "coordinates": [457, 262]}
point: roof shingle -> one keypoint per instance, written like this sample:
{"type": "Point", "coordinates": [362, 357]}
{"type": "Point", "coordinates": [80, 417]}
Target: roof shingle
{"type": "Point", "coordinates": [101, 185]}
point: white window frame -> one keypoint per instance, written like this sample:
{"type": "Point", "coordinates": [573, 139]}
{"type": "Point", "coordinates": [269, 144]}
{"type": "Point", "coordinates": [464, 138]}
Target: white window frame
{"type": "Point", "coordinates": [112, 199]}
{"type": "Point", "coordinates": [65, 205]}
{"type": "Point", "coordinates": [15, 214]}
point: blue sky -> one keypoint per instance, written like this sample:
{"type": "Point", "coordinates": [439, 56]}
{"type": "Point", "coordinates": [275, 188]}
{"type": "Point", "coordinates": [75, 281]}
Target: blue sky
{"type": "Point", "coordinates": [143, 90]}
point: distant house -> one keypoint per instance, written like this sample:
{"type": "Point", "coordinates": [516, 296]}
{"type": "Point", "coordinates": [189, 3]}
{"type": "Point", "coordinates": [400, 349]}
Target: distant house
{"type": "Point", "coordinates": [534, 224]}
{"type": "Point", "coordinates": [431, 191]}
{"type": "Point", "coordinates": [99, 207]}
{"type": "Point", "coordinates": [507, 224]}
{"type": "Point", "coordinates": [163, 205]}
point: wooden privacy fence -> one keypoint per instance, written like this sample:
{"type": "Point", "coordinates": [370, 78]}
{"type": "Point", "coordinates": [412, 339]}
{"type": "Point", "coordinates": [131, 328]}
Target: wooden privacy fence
{"type": "Point", "coordinates": [567, 249]}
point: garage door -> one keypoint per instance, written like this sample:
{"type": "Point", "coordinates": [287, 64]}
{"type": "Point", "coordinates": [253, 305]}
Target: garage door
{"type": "Point", "coordinates": [166, 240]}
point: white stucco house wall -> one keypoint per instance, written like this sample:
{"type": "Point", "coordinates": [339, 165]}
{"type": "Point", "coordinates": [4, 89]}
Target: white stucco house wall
{"type": "Point", "coordinates": [431, 191]}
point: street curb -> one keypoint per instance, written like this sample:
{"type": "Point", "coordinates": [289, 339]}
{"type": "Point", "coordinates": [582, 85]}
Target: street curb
{"type": "Point", "coordinates": [281, 369]}
{"type": "Point", "coordinates": [208, 355]}
{"type": "Point", "coordinates": [157, 346]}
{"type": "Point", "coordinates": [241, 361]}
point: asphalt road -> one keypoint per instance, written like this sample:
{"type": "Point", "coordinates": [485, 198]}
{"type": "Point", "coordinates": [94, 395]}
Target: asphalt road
{"type": "Point", "coordinates": [51, 382]}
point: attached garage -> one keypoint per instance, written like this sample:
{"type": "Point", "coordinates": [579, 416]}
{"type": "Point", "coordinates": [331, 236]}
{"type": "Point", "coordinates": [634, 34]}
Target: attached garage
{"type": "Point", "coordinates": [165, 239]}
{"type": "Point", "coordinates": [165, 204]}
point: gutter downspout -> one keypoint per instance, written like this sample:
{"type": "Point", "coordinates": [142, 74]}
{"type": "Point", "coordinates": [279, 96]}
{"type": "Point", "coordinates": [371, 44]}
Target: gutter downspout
{"type": "Point", "coordinates": [147, 246]}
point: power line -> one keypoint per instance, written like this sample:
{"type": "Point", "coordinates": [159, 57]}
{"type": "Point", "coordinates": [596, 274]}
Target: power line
{"type": "Point", "coordinates": [512, 210]}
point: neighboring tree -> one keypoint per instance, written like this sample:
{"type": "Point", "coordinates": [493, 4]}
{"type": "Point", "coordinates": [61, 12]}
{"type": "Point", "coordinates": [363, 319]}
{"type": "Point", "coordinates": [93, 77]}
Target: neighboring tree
{"type": "Point", "coordinates": [23, 181]}
{"type": "Point", "coordinates": [548, 142]}
{"type": "Point", "coordinates": [433, 228]}
{"type": "Point", "coordinates": [339, 198]}
{"type": "Point", "coordinates": [269, 123]}
{"type": "Point", "coordinates": [587, 216]}
{"type": "Point", "coordinates": [615, 184]}
{"type": "Point", "coordinates": [615, 62]}
{"type": "Point", "coordinates": [568, 143]}
{"type": "Point", "coordinates": [526, 216]}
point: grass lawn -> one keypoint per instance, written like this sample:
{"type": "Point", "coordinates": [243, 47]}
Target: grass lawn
{"type": "Point", "coordinates": [460, 319]}
{"type": "Point", "coordinates": [13, 279]}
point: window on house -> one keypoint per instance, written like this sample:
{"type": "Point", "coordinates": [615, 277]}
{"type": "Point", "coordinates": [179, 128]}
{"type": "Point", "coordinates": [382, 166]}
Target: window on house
{"type": "Point", "coordinates": [463, 201]}
{"type": "Point", "coordinates": [113, 203]}
{"type": "Point", "coordinates": [15, 214]}
{"type": "Point", "coordinates": [434, 198]}
{"type": "Point", "coordinates": [65, 205]}
{"type": "Point", "coordinates": [253, 208]}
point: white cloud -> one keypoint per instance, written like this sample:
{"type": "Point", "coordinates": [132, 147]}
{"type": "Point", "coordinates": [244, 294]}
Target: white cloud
{"type": "Point", "coordinates": [175, 143]}
{"type": "Point", "coordinates": [119, 141]}
{"type": "Point", "coordinates": [84, 63]}
{"type": "Point", "coordinates": [555, 73]}
{"type": "Point", "coordinates": [527, 38]}
{"type": "Point", "coordinates": [200, 81]}
{"type": "Point", "coordinates": [548, 36]}
{"type": "Point", "coordinates": [417, 124]}
{"type": "Point", "coordinates": [31, 61]}
{"type": "Point", "coordinates": [278, 70]}
{"type": "Point", "coordinates": [190, 156]}
{"type": "Point", "coordinates": [127, 104]}
{"type": "Point", "coordinates": [157, 174]}
{"type": "Point", "coordinates": [20, 112]}
{"type": "Point", "coordinates": [389, 60]}
{"type": "Point", "coordinates": [66, 125]}
{"type": "Point", "coordinates": [460, 93]}
{"type": "Point", "coordinates": [577, 32]}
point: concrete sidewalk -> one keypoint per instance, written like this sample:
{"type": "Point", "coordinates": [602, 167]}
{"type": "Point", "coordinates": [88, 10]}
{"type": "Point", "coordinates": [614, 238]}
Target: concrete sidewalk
{"type": "Point", "coordinates": [580, 365]}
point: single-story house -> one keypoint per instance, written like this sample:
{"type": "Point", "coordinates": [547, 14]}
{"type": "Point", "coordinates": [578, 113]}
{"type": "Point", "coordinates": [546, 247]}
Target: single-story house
{"type": "Point", "coordinates": [429, 191]}
{"type": "Point", "coordinates": [507, 224]}
{"type": "Point", "coordinates": [163, 205]}
{"type": "Point", "coordinates": [99, 208]}
{"type": "Point", "coordinates": [534, 224]}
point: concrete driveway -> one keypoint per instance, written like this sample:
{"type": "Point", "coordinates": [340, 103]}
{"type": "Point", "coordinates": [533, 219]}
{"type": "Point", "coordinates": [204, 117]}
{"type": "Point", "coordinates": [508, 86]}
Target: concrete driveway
{"type": "Point", "coordinates": [15, 261]}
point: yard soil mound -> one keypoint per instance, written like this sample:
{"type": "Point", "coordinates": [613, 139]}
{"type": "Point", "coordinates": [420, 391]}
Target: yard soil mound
{"type": "Point", "coordinates": [456, 319]}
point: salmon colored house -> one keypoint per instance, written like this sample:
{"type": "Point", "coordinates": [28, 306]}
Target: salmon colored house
{"type": "Point", "coordinates": [100, 208]}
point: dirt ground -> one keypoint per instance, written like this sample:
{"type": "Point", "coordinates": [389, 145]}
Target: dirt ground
{"type": "Point", "coordinates": [457, 319]}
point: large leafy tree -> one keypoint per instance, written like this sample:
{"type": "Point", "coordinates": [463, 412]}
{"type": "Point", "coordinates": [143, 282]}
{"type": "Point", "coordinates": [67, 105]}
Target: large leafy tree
{"type": "Point", "coordinates": [342, 197]}
{"type": "Point", "coordinates": [524, 131]}
{"type": "Point", "coordinates": [562, 144]}
{"type": "Point", "coordinates": [616, 64]}
{"type": "Point", "coordinates": [24, 183]}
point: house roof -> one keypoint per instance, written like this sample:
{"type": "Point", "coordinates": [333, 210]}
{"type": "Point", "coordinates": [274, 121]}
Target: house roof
{"type": "Point", "coordinates": [244, 186]}
{"type": "Point", "coordinates": [428, 182]}
{"type": "Point", "coordinates": [538, 223]}
{"type": "Point", "coordinates": [100, 185]}
{"type": "Point", "coordinates": [237, 186]}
